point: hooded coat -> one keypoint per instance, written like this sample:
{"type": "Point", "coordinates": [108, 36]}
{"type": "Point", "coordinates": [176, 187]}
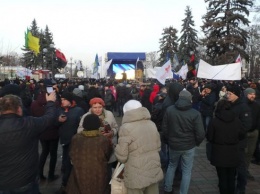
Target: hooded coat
{"type": "Point", "coordinates": [172, 95]}
{"type": "Point", "coordinates": [138, 148]}
{"type": "Point", "coordinates": [182, 126]}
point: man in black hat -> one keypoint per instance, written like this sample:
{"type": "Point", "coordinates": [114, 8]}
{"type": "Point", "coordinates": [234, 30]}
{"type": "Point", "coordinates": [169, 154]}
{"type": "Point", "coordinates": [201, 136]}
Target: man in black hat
{"type": "Point", "coordinates": [69, 119]}
{"type": "Point", "coordinates": [243, 112]}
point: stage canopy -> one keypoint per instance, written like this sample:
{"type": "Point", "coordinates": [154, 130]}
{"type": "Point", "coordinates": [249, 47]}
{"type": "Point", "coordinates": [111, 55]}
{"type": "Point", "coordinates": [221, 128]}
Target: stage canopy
{"type": "Point", "coordinates": [125, 58]}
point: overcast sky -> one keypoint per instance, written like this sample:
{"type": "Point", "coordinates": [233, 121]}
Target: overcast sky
{"type": "Point", "coordinates": [82, 28]}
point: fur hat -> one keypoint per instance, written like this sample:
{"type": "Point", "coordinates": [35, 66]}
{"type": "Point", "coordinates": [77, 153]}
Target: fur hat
{"type": "Point", "coordinates": [184, 94]}
{"type": "Point", "coordinates": [235, 90]}
{"type": "Point", "coordinates": [131, 104]}
{"type": "Point", "coordinates": [68, 96]}
{"type": "Point", "coordinates": [91, 122]}
{"type": "Point", "coordinates": [77, 92]}
{"type": "Point", "coordinates": [249, 91]}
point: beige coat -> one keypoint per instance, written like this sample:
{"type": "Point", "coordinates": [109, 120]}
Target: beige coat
{"type": "Point", "coordinates": [138, 147]}
{"type": "Point", "coordinates": [109, 117]}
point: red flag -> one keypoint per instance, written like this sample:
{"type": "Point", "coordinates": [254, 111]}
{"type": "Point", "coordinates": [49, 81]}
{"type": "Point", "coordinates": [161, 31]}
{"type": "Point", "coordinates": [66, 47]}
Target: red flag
{"type": "Point", "coordinates": [60, 55]}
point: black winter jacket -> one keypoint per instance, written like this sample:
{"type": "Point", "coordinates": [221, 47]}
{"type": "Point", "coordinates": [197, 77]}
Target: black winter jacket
{"type": "Point", "coordinates": [19, 147]}
{"type": "Point", "coordinates": [244, 114]}
{"type": "Point", "coordinates": [224, 132]}
{"type": "Point", "coordinates": [182, 126]}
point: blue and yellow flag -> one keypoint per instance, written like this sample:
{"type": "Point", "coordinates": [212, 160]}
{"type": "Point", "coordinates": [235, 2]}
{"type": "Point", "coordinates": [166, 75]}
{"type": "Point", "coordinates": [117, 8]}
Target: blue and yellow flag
{"type": "Point", "coordinates": [95, 65]}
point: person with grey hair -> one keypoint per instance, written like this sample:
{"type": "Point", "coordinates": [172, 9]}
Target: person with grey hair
{"type": "Point", "coordinates": [19, 144]}
{"type": "Point", "coordinates": [138, 148]}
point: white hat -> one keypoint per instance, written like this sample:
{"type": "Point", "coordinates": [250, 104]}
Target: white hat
{"type": "Point", "coordinates": [131, 104]}
{"type": "Point", "coordinates": [81, 87]}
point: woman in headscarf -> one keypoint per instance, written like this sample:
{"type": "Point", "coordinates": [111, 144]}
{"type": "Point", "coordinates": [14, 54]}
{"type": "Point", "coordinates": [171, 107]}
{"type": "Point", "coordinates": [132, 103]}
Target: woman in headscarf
{"type": "Point", "coordinates": [89, 153]}
{"type": "Point", "coordinates": [109, 127]}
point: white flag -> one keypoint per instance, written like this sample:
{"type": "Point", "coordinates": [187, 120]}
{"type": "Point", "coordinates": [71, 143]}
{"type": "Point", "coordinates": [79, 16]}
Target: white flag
{"type": "Point", "coordinates": [105, 68]}
{"type": "Point", "coordinates": [164, 72]}
{"type": "Point", "coordinates": [183, 71]}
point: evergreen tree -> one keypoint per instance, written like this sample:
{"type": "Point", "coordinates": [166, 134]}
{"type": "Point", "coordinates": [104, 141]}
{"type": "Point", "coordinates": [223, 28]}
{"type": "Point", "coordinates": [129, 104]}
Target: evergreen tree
{"type": "Point", "coordinates": [30, 60]}
{"type": "Point", "coordinates": [49, 54]}
{"type": "Point", "coordinates": [168, 45]}
{"type": "Point", "coordinates": [189, 39]}
{"type": "Point", "coordinates": [225, 39]}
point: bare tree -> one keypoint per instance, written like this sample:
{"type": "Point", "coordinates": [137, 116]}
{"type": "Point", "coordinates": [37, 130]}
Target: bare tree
{"type": "Point", "coordinates": [152, 59]}
{"type": "Point", "coordinates": [252, 49]}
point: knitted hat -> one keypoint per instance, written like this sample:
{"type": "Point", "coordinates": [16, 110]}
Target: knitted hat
{"type": "Point", "coordinates": [131, 104]}
{"type": "Point", "coordinates": [249, 91]}
{"type": "Point", "coordinates": [235, 90]}
{"type": "Point", "coordinates": [184, 94]}
{"type": "Point", "coordinates": [91, 122]}
{"type": "Point", "coordinates": [77, 92]}
{"type": "Point", "coordinates": [96, 100]}
{"type": "Point", "coordinates": [68, 96]}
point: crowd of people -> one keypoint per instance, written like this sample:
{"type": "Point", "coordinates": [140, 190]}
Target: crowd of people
{"type": "Point", "coordinates": [161, 127]}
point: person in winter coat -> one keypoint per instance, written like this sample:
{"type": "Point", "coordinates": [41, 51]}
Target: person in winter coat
{"type": "Point", "coordinates": [243, 112]}
{"type": "Point", "coordinates": [145, 98]}
{"type": "Point", "coordinates": [49, 139]}
{"type": "Point", "coordinates": [138, 148]}
{"type": "Point", "coordinates": [194, 89]}
{"type": "Point", "coordinates": [224, 133]}
{"type": "Point", "coordinates": [207, 104]}
{"type": "Point", "coordinates": [19, 144]}
{"type": "Point", "coordinates": [252, 134]}
{"type": "Point", "coordinates": [182, 130]}
{"type": "Point", "coordinates": [153, 94]}
{"type": "Point", "coordinates": [78, 97]}
{"type": "Point", "coordinates": [89, 153]}
{"type": "Point", "coordinates": [69, 118]}
{"type": "Point", "coordinates": [170, 99]}
{"type": "Point", "coordinates": [98, 108]}
{"type": "Point", "coordinates": [108, 98]}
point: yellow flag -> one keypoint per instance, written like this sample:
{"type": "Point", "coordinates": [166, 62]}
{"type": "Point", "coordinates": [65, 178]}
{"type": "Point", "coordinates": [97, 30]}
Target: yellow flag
{"type": "Point", "coordinates": [33, 43]}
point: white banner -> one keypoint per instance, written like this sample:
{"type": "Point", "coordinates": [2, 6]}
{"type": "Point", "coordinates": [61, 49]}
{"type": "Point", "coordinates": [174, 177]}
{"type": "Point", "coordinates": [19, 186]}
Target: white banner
{"type": "Point", "coordinates": [219, 72]}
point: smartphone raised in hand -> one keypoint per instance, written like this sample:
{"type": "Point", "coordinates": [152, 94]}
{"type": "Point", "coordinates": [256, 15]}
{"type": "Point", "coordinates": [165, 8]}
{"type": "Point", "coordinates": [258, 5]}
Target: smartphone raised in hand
{"type": "Point", "coordinates": [49, 89]}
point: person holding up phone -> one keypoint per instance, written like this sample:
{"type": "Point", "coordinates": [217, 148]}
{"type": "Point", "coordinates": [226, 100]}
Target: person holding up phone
{"type": "Point", "coordinates": [19, 144]}
{"type": "Point", "coordinates": [69, 118]}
